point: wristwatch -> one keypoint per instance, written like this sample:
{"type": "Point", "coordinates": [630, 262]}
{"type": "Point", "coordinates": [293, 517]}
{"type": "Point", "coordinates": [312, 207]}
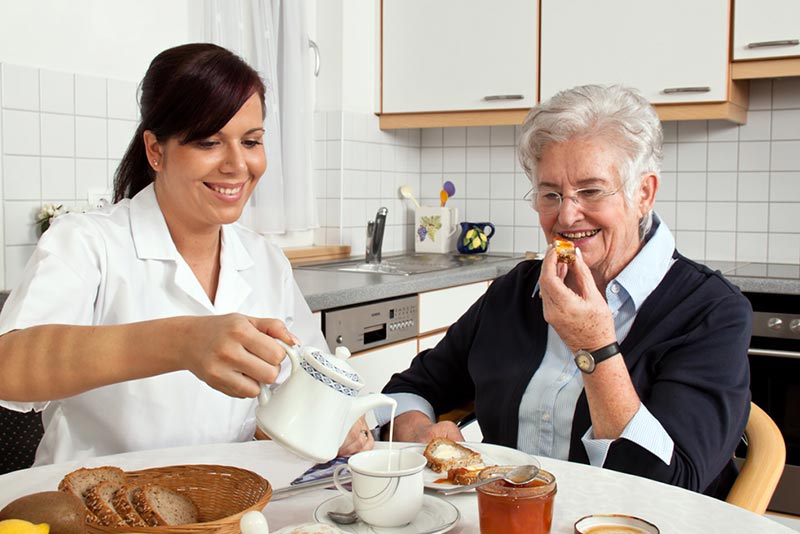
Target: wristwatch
{"type": "Point", "coordinates": [587, 361]}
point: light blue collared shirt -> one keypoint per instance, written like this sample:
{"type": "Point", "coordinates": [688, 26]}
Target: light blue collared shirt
{"type": "Point", "coordinates": [548, 404]}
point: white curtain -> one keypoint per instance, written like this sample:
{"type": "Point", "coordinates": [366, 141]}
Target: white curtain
{"type": "Point", "coordinates": [272, 36]}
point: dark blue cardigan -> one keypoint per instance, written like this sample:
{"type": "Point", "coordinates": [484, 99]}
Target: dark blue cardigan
{"type": "Point", "coordinates": [686, 353]}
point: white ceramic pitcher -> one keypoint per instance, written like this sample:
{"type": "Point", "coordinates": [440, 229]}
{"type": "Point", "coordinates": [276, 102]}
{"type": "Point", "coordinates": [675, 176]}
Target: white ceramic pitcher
{"type": "Point", "coordinates": [312, 411]}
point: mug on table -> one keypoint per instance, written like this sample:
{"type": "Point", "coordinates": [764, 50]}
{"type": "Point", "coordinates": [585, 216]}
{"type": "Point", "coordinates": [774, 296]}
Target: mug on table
{"type": "Point", "coordinates": [387, 485]}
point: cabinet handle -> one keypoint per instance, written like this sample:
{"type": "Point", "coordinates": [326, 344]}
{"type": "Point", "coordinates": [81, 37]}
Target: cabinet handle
{"type": "Point", "coordinates": [317, 58]}
{"type": "Point", "coordinates": [503, 97]}
{"type": "Point", "coordinates": [783, 42]}
{"type": "Point", "coordinates": [674, 90]}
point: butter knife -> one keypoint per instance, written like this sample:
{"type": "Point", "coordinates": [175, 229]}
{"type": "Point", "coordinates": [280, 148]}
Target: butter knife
{"type": "Point", "coordinates": [303, 487]}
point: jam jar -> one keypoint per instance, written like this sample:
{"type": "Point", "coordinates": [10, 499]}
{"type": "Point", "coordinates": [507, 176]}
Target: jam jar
{"type": "Point", "coordinates": [505, 508]}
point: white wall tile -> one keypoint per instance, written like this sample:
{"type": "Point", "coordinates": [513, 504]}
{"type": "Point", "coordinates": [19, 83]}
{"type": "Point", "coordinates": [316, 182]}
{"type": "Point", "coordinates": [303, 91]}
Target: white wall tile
{"type": "Point", "coordinates": [431, 137]}
{"type": "Point", "coordinates": [524, 214]}
{"type": "Point", "coordinates": [16, 258]}
{"type": "Point", "coordinates": [785, 156]}
{"type": "Point", "coordinates": [752, 217]}
{"type": "Point", "coordinates": [478, 211]}
{"type": "Point", "coordinates": [90, 174]}
{"type": "Point", "coordinates": [667, 186]}
{"type": "Point", "coordinates": [20, 222]}
{"type": "Point", "coordinates": [454, 159]}
{"type": "Point", "coordinates": [784, 187]}
{"type": "Point", "coordinates": [691, 186]}
{"type": "Point", "coordinates": [90, 96]}
{"type": "Point", "coordinates": [760, 95]}
{"type": "Point", "coordinates": [21, 178]}
{"type": "Point", "coordinates": [719, 130]}
{"type": "Point", "coordinates": [691, 244]}
{"type": "Point", "coordinates": [502, 240]}
{"type": "Point", "coordinates": [720, 245]}
{"type": "Point", "coordinates": [479, 136]}
{"type": "Point", "coordinates": [721, 186]}
{"type": "Point", "coordinates": [783, 217]}
{"type": "Point", "coordinates": [20, 132]}
{"type": "Point", "coordinates": [754, 156]}
{"type": "Point", "coordinates": [333, 153]}
{"type": "Point", "coordinates": [692, 157]}
{"type": "Point", "coordinates": [57, 91]}
{"type": "Point", "coordinates": [120, 133]}
{"type": "Point", "coordinates": [670, 161]}
{"type": "Point", "coordinates": [528, 239]}
{"type": "Point", "coordinates": [786, 124]}
{"type": "Point", "coordinates": [670, 131]}
{"type": "Point", "coordinates": [758, 126]}
{"type": "Point", "coordinates": [90, 137]}
{"type": "Point", "coordinates": [691, 216]}
{"type": "Point", "coordinates": [721, 217]}
{"type": "Point", "coordinates": [692, 131]}
{"type": "Point", "coordinates": [478, 186]}
{"type": "Point", "coordinates": [502, 212]}
{"type": "Point", "coordinates": [502, 158]}
{"type": "Point", "coordinates": [502, 186]}
{"type": "Point", "coordinates": [20, 87]}
{"type": "Point", "coordinates": [502, 136]}
{"type": "Point", "coordinates": [751, 247]}
{"type": "Point", "coordinates": [334, 125]}
{"type": "Point", "coordinates": [58, 178]}
{"type": "Point", "coordinates": [667, 211]}
{"type": "Point", "coordinates": [454, 137]}
{"type": "Point", "coordinates": [753, 186]}
{"type": "Point", "coordinates": [319, 125]}
{"type": "Point", "coordinates": [58, 135]}
{"type": "Point", "coordinates": [784, 248]}
{"type": "Point", "coordinates": [479, 159]}
{"type": "Point", "coordinates": [786, 93]}
{"type": "Point", "coordinates": [431, 160]}
{"type": "Point", "coordinates": [723, 156]}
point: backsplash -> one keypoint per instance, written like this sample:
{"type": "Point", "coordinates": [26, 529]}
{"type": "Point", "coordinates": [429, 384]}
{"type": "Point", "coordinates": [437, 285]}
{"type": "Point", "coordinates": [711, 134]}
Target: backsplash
{"type": "Point", "coordinates": [728, 192]}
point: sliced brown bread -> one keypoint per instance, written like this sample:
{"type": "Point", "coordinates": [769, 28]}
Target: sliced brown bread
{"type": "Point", "coordinates": [162, 506]}
{"type": "Point", "coordinates": [79, 481]}
{"type": "Point", "coordinates": [444, 454]}
{"type": "Point", "coordinates": [123, 504]}
{"type": "Point", "coordinates": [98, 501]}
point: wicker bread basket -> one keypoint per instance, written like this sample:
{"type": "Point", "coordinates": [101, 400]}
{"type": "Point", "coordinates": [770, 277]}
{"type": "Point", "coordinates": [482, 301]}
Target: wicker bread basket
{"type": "Point", "coordinates": [222, 494]}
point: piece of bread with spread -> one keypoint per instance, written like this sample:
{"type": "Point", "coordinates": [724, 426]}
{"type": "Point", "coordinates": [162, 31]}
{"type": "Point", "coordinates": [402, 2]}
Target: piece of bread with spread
{"type": "Point", "coordinates": [444, 454]}
{"type": "Point", "coordinates": [565, 250]}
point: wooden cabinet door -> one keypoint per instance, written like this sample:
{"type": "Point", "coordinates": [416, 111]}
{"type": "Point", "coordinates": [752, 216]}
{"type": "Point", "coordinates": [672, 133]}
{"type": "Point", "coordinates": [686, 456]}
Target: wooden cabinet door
{"type": "Point", "coordinates": [664, 49]}
{"type": "Point", "coordinates": [766, 29]}
{"type": "Point", "coordinates": [446, 55]}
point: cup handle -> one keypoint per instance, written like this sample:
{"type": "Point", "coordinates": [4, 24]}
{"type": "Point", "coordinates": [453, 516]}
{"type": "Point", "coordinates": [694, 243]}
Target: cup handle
{"type": "Point", "coordinates": [336, 482]}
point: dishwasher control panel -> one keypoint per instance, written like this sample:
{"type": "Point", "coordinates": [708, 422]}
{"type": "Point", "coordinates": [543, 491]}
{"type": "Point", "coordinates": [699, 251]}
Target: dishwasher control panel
{"type": "Point", "coordinates": [365, 326]}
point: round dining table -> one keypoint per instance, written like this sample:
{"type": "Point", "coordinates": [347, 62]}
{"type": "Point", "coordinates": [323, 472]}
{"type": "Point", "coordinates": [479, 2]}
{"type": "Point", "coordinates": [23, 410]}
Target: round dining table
{"type": "Point", "coordinates": [582, 490]}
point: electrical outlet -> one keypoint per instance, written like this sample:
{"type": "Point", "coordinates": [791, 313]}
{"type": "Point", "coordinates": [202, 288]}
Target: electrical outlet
{"type": "Point", "coordinates": [99, 198]}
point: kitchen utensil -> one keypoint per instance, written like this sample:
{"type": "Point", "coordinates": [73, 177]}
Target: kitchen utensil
{"type": "Point", "coordinates": [303, 487]}
{"type": "Point", "coordinates": [474, 237]}
{"type": "Point", "coordinates": [312, 411]}
{"type": "Point", "coordinates": [343, 518]}
{"type": "Point", "coordinates": [518, 476]}
{"type": "Point", "coordinates": [450, 188]}
{"type": "Point", "coordinates": [443, 196]}
{"type": "Point", "coordinates": [407, 192]}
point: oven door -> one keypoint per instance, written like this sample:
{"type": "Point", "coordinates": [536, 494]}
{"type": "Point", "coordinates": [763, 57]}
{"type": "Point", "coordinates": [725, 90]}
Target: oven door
{"type": "Point", "coordinates": [775, 385]}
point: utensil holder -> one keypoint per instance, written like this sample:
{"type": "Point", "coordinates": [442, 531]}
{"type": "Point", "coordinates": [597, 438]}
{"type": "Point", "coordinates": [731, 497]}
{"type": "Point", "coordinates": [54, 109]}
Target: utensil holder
{"type": "Point", "coordinates": [434, 228]}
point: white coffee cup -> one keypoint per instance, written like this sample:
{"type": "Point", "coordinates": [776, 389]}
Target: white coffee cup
{"type": "Point", "coordinates": [387, 489]}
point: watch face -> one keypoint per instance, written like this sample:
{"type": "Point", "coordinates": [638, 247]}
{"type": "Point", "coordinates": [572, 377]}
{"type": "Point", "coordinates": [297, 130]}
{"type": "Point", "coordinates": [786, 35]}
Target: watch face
{"type": "Point", "coordinates": [584, 361]}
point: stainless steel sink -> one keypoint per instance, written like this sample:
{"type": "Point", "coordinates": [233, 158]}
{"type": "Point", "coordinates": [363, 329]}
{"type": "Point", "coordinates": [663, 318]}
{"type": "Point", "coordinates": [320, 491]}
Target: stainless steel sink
{"type": "Point", "coordinates": [407, 264]}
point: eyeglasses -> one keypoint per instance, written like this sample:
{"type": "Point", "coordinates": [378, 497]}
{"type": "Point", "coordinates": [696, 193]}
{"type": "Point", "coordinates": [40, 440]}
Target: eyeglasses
{"type": "Point", "coordinates": [589, 199]}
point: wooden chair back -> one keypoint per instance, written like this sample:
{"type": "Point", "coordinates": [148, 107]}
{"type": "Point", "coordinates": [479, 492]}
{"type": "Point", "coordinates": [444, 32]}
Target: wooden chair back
{"type": "Point", "coordinates": [763, 465]}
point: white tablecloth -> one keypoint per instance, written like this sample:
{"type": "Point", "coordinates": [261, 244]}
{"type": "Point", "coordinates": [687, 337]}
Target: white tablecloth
{"type": "Point", "coordinates": [582, 490]}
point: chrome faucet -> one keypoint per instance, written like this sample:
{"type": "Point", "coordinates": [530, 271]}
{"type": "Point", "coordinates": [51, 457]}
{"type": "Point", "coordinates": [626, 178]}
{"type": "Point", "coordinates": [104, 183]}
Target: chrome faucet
{"type": "Point", "coordinates": [375, 236]}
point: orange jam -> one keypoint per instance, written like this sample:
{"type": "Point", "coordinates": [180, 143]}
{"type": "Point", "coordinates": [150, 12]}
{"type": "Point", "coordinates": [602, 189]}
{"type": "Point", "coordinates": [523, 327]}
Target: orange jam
{"type": "Point", "coordinates": [505, 508]}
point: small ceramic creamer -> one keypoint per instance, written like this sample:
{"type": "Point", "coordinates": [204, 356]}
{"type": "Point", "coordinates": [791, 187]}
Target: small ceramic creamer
{"type": "Point", "coordinates": [312, 411]}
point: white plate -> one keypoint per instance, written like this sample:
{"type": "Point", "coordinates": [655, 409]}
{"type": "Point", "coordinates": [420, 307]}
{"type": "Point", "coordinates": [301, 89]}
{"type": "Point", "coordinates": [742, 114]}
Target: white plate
{"type": "Point", "coordinates": [490, 454]}
{"type": "Point", "coordinates": [437, 515]}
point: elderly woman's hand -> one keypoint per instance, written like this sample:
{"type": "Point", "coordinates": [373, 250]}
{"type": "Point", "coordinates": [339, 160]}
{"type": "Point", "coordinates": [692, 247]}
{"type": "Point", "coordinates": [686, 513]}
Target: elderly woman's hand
{"type": "Point", "coordinates": [358, 439]}
{"type": "Point", "coordinates": [573, 305]}
{"type": "Point", "coordinates": [233, 353]}
{"type": "Point", "coordinates": [416, 427]}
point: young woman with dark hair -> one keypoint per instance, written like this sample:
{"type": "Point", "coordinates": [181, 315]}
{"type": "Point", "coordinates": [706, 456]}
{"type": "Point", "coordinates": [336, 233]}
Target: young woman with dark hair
{"type": "Point", "coordinates": [152, 322]}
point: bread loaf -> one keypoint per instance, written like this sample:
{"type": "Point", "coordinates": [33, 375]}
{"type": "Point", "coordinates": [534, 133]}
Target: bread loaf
{"type": "Point", "coordinates": [444, 454]}
{"type": "Point", "coordinates": [162, 506]}
{"type": "Point", "coordinates": [124, 506]}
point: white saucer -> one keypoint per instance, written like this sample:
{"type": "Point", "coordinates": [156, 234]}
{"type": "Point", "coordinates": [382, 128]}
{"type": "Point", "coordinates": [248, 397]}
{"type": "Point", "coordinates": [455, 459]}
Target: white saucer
{"type": "Point", "coordinates": [437, 515]}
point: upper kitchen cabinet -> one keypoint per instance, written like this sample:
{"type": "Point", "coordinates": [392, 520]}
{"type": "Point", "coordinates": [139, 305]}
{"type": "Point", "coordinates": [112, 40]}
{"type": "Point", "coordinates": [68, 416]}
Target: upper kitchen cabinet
{"type": "Point", "coordinates": [457, 62]}
{"type": "Point", "coordinates": [676, 53]}
{"type": "Point", "coordinates": [766, 38]}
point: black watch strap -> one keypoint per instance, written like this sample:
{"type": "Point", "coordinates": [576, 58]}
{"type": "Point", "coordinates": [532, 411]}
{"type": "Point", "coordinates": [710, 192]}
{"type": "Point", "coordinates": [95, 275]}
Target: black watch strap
{"type": "Point", "coordinates": [605, 353]}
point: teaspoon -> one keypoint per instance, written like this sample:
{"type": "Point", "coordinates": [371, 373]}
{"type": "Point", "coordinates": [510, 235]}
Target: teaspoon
{"type": "Point", "coordinates": [518, 476]}
{"type": "Point", "coordinates": [343, 518]}
{"type": "Point", "coordinates": [406, 192]}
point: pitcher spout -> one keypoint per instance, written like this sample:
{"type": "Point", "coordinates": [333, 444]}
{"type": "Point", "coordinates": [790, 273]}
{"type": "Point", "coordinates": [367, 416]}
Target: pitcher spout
{"type": "Point", "coordinates": [362, 405]}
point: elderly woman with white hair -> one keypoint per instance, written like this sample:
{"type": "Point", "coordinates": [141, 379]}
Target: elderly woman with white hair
{"type": "Point", "coordinates": [633, 357]}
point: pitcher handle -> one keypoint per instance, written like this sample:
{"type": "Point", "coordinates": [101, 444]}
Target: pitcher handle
{"type": "Point", "coordinates": [491, 227]}
{"type": "Point", "coordinates": [292, 353]}
{"type": "Point", "coordinates": [453, 221]}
